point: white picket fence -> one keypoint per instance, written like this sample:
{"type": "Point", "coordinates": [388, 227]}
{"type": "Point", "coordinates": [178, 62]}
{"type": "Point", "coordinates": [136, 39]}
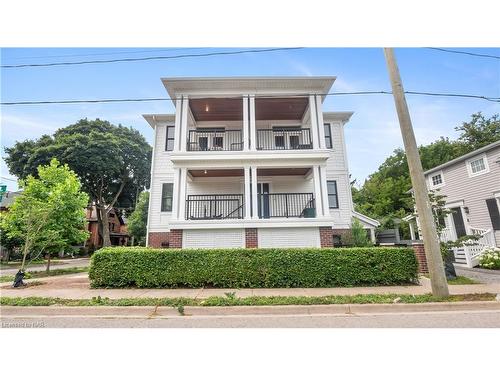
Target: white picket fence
{"type": "Point", "coordinates": [470, 252]}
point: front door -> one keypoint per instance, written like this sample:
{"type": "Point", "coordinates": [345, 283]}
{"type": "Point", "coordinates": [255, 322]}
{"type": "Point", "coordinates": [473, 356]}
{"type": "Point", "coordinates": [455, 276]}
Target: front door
{"type": "Point", "coordinates": [263, 200]}
{"type": "Point", "coordinates": [458, 222]}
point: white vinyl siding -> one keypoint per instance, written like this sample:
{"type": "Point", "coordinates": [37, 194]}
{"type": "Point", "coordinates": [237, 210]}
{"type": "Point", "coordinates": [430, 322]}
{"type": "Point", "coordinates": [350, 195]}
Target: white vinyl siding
{"type": "Point", "coordinates": [288, 237]}
{"type": "Point", "coordinates": [474, 191]}
{"type": "Point", "coordinates": [213, 238]}
{"type": "Point", "coordinates": [163, 173]}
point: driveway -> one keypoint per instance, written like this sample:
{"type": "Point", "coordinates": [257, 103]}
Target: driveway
{"type": "Point", "coordinates": [479, 274]}
{"type": "Point", "coordinates": [65, 263]}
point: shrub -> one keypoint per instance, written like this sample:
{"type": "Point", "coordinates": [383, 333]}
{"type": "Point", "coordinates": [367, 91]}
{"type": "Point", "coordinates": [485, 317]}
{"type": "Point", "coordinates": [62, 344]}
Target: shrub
{"type": "Point", "coordinates": [251, 268]}
{"type": "Point", "coordinates": [359, 235]}
{"type": "Point", "coordinates": [490, 258]}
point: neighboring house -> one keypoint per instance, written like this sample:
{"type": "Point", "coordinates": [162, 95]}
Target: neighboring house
{"type": "Point", "coordinates": [7, 200]}
{"type": "Point", "coordinates": [471, 184]}
{"type": "Point", "coordinates": [249, 162]}
{"type": "Point", "coordinates": [117, 229]}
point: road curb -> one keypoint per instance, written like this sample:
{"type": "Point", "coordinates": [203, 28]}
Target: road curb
{"type": "Point", "coordinates": [169, 312]}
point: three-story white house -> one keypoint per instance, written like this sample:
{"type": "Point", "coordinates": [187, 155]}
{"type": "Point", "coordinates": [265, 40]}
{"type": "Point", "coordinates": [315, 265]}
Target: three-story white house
{"type": "Point", "coordinates": [249, 162]}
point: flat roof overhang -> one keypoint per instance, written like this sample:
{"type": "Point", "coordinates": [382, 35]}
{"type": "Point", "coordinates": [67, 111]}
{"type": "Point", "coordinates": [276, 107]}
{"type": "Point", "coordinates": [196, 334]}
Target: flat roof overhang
{"type": "Point", "coordinates": [261, 172]}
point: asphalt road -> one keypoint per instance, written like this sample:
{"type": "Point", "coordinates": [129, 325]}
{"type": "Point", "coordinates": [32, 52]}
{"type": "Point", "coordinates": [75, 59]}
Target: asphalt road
{"type": "Point", "coordinates": [435, 319]}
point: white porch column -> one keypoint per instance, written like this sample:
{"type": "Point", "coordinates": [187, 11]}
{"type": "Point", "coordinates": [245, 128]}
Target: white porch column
{"type": "Point", "coordinates": [183, 125]}
{"type": "Point", "coordinates": [177, 125]}
{"type": "Point", "coordinates": [175, 195]}
{"type": "Point", "coordinates": [314, 121]}
{"type": "Point", "coordinates": [372, 235]}
{"type": "Point", "coordinates": [182, 193]}
{"type": "Point", "coordinates": [247, 194]}
{"type": "Point", "coordinates": [255, 210]}
{"type": "Point", "coordinates": [324, 191]}
{"type": "Point", "coordinates": [412, 231]}
{"type": "Point", "coordinates": [317, 192]}
{"type": "Point", "coordinates": [253, 131]}
{"type": "Point", "coordinates": [246, 136]}
{"type": "Point", "coordinates": [321, 127]}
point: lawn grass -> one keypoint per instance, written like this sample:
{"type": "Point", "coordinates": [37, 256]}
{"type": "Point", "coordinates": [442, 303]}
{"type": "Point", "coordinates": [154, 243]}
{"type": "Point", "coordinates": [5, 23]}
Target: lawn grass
{"type": "Point", "coordinates": [231, 300]}
{"type": "Point", "coordinates": [15, 264]}
{"type": "Point", "coordinates": [462, 280]}
{"type": "Point", "coordinates": [459, 280]}
{"type": "Point", "coordinates": [39, 274]}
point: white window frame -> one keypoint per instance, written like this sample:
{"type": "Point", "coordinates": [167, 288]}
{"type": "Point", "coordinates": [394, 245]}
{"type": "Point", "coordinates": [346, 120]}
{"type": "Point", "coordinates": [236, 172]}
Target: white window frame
{"type": "Point", "coordinates": [431, 183]}
{"type": "Point", "coordinates": [477, 157]}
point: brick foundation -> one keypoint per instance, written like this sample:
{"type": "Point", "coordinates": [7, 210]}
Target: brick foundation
{"type": "Point", "coordinates": [171, 239]}
{"type": "Point", "coordinates": [251, 239]}
{"type": "Point", "coordinates": [176, 238]}
{"type": "Point", "coordinates": [326, 236]}
{"type": "Point", "coordinates": [158, 239]}
{"type": "Point", "coordinates": [418, 249]}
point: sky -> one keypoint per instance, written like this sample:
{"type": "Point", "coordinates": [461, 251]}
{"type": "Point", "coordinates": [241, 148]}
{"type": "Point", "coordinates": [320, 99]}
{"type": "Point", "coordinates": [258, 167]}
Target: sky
{"type": "Point", "coordinates": [371, 135]}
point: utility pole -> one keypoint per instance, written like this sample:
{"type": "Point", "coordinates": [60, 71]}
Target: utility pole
{"type": "Point", "coordinates": [424, 208]}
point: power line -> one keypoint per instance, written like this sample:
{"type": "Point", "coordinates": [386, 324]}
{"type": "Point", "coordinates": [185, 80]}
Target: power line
{"type": "Point", "coordinates": [105, 53]}
{"type": "Point", "coordinates": [465, 53]}
{"type": "Point", "coordinates": [132, 59]}
{"type": "Point", "coordinates": [89, 101]}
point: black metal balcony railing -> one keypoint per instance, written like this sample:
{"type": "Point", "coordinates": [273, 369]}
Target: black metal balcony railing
{"type": "Point", "coordinates": [231, 206]}
{"type": "Point", "coordinates": [284, 139]}
{"type": "Point", "coordinates": [214, 140]}
{"type": "Point", "coordinates": [286, 205]}
{"type": "Point", "coordinates": [214, 207]}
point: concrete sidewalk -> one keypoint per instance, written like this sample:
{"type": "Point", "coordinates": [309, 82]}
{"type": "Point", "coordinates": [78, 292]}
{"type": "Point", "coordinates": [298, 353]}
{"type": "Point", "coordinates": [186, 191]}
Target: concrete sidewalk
{"type": "Point", "coordinates": [77, 287]}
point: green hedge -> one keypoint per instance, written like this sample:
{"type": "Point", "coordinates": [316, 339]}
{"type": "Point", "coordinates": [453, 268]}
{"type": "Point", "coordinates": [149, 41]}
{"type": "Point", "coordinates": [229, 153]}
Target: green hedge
{"type": "Point", "coordinates": [257, 268]}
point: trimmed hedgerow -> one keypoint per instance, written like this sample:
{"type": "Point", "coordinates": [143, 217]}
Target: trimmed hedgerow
{"type": "Point", "coordinates": [251, 268]}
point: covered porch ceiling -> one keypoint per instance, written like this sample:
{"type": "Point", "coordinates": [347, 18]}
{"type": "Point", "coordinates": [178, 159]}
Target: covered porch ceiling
{"type": "Point", "coordinates": [231, 109]}
{"type": "Point", "coordinates": [261, 172]}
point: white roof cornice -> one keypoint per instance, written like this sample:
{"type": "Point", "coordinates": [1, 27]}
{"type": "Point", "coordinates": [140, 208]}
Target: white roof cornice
{"type": "Point", "coordinates": [153, 120]}
{"type": "Point", "coordinates": [177, 86]}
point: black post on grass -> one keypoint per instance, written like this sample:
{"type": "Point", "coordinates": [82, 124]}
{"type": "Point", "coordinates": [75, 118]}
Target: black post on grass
{"type": "Point", "coordinates": [18, 279]}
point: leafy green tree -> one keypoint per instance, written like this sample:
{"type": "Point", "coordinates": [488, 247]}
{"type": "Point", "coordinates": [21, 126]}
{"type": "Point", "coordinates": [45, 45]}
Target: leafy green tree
{"type": "Point", "coordinates": [479, 132]}
{"type": "Point", "coordinates": [49, 215]}
{"type": "Point", "coordinates": [113, 162]}
{"type": "Point", "coordinates": [137, 221]}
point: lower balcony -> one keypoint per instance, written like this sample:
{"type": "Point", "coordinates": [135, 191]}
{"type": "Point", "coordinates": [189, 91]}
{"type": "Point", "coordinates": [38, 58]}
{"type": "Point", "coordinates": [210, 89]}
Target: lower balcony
{"type": "Point", "coordinates": [232, 206]}
{"type": "Point", "coordinates": [215, 207]}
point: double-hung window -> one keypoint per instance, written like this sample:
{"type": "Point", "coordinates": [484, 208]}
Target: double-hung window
{"type": "Point", "coordinates": [166, 197]}
{"type": "Point", "coordinates": [477, 165]}
{"type": "Point", "coordinates": [328, 136]}
{"type": "Point", "coordinates": [333, 198]}
{"type": "Point", "coordinates": [169, 145]}
{"type": "Point", "coordinates": [436, 180]}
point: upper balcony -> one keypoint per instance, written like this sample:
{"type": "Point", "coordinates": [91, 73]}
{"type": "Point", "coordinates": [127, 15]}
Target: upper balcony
{"type": "Point", "coordinates": [248, 123]}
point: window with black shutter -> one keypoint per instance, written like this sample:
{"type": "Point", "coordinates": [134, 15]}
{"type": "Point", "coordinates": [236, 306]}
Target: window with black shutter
{"type": "Point", "coordinates": [494, 214]}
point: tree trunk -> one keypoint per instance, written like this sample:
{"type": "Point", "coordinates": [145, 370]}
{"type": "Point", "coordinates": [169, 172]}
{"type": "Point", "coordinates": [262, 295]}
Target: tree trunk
{"type": "Point", "coordinates": [48, 264]}
{"type": "Point", "coordinates": [106, 241]}
{"type": "Point", "coordinates": [25, 254]}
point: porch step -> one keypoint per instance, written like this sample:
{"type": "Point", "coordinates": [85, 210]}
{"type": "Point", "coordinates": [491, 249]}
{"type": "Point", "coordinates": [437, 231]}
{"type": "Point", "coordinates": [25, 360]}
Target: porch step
{"type": "Point", "coordinates": [460, 256]}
